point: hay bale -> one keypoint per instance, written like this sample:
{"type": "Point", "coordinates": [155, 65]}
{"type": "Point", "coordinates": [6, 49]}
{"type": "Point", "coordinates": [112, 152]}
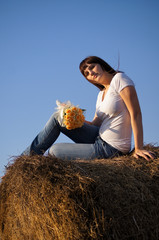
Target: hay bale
{"type": "Point", "coordinates": [43, 198]}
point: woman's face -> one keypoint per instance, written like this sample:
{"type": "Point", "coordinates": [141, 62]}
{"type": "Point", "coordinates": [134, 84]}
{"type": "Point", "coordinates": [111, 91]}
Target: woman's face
{"type": "Point", "coordinates": [93, 72]}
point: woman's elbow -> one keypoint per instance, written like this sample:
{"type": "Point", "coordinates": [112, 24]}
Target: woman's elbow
{"type": "Point", "coordinates": [136, 115]}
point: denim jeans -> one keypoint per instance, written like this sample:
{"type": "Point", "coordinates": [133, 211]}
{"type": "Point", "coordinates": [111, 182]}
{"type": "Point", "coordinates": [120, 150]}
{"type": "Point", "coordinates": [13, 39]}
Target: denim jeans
{"type": "Point", "coordinates": [88, 144]}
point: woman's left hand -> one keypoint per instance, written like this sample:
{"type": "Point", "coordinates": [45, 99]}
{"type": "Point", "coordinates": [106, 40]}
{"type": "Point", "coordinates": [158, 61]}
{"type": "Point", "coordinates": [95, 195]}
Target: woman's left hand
{"type": "Point", "coordinates": [144, 153]}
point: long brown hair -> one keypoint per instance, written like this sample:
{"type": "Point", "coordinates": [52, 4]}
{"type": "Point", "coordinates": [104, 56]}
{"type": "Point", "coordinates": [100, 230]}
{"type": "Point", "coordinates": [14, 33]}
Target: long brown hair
{"type": "Point", "coordinates": [104, 65]}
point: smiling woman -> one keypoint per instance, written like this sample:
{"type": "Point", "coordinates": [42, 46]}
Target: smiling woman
{"type": "Point", "coordinates": [109, 134]}
{"type": "Point", "coordinates": [93, 72]}
{"type": "Point", "coordinates": [124, 100]}
{"type": "Point", "coordinates": [97, 66]}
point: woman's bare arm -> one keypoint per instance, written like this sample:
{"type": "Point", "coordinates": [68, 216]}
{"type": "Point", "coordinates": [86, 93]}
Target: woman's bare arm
{"type": "Point", "coordinates": [130, 98]}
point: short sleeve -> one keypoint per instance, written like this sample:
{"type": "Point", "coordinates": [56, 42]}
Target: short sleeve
{"type": "Point", "coordinates": [120, 81]}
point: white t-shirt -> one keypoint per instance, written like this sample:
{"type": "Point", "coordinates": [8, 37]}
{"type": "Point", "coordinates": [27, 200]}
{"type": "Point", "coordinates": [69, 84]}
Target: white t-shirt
{"type": "Point", "coordinates": [116, 124]}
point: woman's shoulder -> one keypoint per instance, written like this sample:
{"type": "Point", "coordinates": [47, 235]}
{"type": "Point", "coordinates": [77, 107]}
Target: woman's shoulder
{"type": "Point", "coordinates": [121, 80]}
{"type": "Point", "coordinates": [121, 76]}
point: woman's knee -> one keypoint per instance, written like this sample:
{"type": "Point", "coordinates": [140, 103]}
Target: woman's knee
{"type": "Point", "coordinates": [54, 151]}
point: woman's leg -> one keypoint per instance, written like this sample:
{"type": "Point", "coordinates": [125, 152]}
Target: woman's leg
{"type": "Point", "coordinates": [86, 134]}
{"type": "Point", "coordinates": [73, 151]}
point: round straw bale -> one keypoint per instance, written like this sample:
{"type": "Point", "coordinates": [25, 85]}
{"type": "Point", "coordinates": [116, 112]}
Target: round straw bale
{"type": "Point", "coordinates": [43, 198]}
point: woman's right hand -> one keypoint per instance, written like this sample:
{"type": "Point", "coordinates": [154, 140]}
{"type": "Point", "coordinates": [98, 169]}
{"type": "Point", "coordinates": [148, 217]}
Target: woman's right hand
{"type": "Point", "coordinates": [96, 121]}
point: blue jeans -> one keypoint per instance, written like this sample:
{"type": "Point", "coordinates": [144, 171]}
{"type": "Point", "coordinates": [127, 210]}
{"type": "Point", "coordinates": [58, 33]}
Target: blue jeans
{"type": "Point", "coordinates": [88, 144]}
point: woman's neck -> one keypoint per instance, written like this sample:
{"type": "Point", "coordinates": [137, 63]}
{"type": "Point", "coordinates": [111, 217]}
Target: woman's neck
{"type": "Point", "coordinates": [107, 78]}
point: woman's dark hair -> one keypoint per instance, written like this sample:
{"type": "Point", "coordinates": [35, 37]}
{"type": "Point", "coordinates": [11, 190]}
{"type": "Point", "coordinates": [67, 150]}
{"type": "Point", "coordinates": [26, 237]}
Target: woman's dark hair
{"type": "Point", "coordinates": [93, 59]}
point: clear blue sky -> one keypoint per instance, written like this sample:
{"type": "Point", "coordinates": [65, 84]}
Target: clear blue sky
{"type": "Point", "coordinates": [41, 45]}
